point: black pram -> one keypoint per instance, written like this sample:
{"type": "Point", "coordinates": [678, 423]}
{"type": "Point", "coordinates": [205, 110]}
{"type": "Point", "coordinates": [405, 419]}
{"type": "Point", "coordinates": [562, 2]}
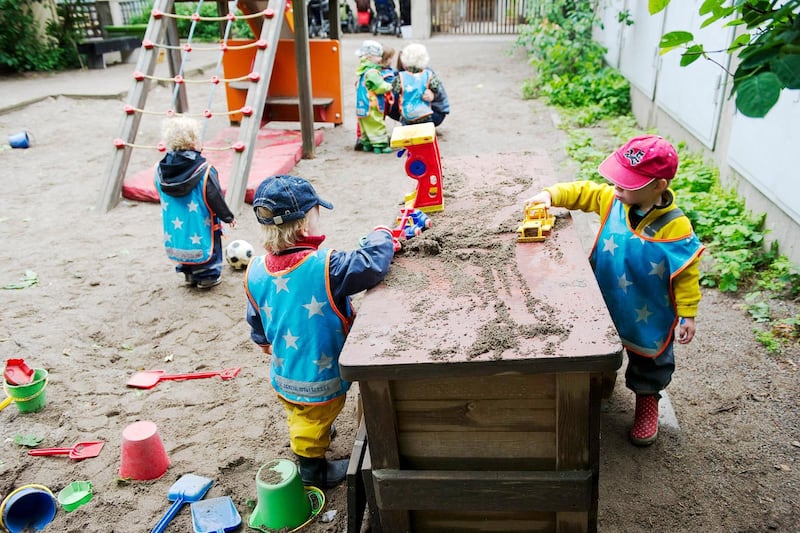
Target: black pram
{"type": "Point", "coordinates": [386, 20]}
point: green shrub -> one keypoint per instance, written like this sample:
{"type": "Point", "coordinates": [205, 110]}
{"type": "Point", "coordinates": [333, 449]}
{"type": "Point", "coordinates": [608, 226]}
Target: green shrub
{"type": "Point", "coordinates": [204, 31]}
{"type": "Point", "coordinates": [569, 69]}
{"type": "Point", "coordinates": [21, 46]}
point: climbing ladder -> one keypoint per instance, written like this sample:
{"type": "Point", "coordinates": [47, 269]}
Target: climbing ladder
{"type": "Point", "coordinates": [163, 29]}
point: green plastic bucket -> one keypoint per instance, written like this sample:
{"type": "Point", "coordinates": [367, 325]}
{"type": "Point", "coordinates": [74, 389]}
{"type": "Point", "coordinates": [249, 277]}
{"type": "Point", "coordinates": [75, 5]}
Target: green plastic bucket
{"type": "Point", "coordinates": [282, 501]}
{"type": "Point", "coordinates": [29, 398]}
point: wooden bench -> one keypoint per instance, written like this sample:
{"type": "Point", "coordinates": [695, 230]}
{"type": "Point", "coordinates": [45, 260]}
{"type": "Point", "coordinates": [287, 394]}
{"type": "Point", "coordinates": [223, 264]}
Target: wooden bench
{"type": "Point", "coordinates": [94, 49]}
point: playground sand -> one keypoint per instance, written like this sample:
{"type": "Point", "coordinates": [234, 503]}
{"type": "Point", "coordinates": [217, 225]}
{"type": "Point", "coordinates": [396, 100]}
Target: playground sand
{"type": "Point", "coordinates": [108, 303]}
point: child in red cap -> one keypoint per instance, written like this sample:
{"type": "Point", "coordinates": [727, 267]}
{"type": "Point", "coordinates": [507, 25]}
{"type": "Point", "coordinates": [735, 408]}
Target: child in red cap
{"type": "Point", "coordinates": [645, 259]}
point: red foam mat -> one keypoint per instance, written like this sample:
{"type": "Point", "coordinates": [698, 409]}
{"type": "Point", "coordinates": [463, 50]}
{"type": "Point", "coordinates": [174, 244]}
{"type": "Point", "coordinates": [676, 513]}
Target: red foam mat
{"type": "Point", "coordinates": [277, 152]}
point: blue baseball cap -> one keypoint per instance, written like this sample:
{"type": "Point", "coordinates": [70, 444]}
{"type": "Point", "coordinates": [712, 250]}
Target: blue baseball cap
{"type": "Point", "coordinates": [288, 197]}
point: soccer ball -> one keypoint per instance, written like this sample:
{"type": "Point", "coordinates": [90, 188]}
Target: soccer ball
{"type": "Point", "coordinates": [238, 254]}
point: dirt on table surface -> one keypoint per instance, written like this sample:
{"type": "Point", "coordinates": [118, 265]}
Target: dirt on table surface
{"type": "Point", "coordinates": [108, 303]}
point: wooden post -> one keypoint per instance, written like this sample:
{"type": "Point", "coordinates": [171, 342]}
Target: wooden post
{"type": "Point", "coordinates": [303, 63]}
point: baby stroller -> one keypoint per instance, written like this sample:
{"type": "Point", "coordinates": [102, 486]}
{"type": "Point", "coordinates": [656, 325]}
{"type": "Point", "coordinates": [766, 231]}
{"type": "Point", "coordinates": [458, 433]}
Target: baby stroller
{"type": "Point", "coordinates": [365, 15]}
{"type": "Point", "coordinates": [386, 20]}
{"type": "Point", "coordinates": [318, 24]}
{"type": "Point", "coordinates": [347, 21]}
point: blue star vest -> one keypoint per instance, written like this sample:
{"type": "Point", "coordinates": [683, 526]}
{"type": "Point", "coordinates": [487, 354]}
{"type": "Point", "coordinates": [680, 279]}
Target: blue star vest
{"type": "Point", "coordinates": [635, 275]}
{"type": "Point", "coordinates": [187, 220]}
{"type": "Point", "coordinates": [304, 327]}
{"type": "Point", "coordinates": [412, 106]}
{"type": "Point", "coordinates": [365, 97]}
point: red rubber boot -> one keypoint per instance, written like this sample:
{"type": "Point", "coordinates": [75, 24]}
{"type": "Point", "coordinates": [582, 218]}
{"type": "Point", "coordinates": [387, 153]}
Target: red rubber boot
{"type": "Point", "coordinates": [645, 423]}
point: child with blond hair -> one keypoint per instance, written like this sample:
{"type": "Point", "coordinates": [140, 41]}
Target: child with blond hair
{"type": "Point", "coordinates": [300, 313]}
{"type": "Point", "coordinates": [419, 92]}
{"type": "Point", "coordinates": [192, 205]}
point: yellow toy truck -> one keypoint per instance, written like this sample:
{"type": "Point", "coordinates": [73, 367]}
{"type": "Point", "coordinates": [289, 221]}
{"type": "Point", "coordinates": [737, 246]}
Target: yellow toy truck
{"type": "Point", "coordinates": [536, 224]}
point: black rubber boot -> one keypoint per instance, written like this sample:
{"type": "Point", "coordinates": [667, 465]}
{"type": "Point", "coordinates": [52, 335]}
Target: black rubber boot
{"type": "Point", "coordinates": [320, 472]}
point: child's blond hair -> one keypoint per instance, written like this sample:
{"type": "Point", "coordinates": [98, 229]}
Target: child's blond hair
{"type": "Point", "coordinates": [181, 133]}
{"type": "Point", "coordinates": [282, 236]}
{"type": "Point", "coordinates": [415, 57]}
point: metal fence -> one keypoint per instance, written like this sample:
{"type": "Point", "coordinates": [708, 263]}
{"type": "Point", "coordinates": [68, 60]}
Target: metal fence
{"type": "Point", "coordinates": [134, 8]}
{"type": "Point", "coordinates": [472, 17]}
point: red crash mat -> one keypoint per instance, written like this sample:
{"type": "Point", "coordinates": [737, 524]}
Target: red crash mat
{"type": "Point", "coordinates": [277, 152]}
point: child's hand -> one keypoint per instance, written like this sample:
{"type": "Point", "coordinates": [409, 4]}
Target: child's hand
{"type": "Point", "coordinates": [232, 224]}
{"type": "Point", "coordinates": [541, 198]}
{"type": "Point", "coordinates": [686, 329]}
{"type": "Point", "coordinates": [428, 96]}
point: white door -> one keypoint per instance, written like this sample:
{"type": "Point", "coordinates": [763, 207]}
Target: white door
{"type": "Point", "coordinates": [693, 95]}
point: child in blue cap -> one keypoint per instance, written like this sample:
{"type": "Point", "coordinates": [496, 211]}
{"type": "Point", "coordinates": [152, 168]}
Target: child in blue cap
{"type": "Point", "coordinates": [300, 313]}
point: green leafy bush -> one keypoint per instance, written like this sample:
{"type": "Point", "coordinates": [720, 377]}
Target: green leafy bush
{"type": "Point", "coordinates": [21, 47]}
{"type": "Point", "coordinates": [568, 65]}
{"type": "Point", "coordinates": [204, 30]}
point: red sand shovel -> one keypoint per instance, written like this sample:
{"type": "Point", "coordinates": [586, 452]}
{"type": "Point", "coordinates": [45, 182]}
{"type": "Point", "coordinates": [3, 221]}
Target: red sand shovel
{"type": "Point", "coordinates": [17, 372]}
{"type": "Point", "coordinates": [150, 378]}
{"type": "Point", "coordinates": [81, 450]}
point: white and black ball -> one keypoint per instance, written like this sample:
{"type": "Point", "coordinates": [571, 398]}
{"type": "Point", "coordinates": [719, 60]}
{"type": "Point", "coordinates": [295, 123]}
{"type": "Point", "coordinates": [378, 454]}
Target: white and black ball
{"type": "Point", "coordinates": [238, 254]}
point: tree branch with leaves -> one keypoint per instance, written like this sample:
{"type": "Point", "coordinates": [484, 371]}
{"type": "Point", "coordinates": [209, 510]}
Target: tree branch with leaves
{"type": "Point", "coordinates": [768, 49]}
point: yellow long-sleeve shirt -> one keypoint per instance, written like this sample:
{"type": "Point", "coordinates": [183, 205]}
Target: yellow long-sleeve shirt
{"type": "Point", "coordinates": [597, 198]}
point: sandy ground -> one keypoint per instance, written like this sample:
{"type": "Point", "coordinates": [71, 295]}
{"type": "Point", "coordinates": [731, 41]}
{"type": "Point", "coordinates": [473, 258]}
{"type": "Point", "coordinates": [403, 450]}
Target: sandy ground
{"type": "Point", "coordinates": [108, 303]}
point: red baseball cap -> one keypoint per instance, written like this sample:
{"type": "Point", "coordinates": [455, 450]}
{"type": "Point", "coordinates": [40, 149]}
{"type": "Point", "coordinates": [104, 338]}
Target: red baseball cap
{"type": "Point", "coordinates": [642, 160]}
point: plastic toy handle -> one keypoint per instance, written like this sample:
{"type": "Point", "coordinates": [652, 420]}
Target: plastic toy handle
{"type": "Point", "coordinates": [49, 451]}
{"type": "Point", "coordinates": [5, 403]}
{"type": "Point", "coordinates": [194, 375]}
{"type": "Point", "coordinates": [162, 524]}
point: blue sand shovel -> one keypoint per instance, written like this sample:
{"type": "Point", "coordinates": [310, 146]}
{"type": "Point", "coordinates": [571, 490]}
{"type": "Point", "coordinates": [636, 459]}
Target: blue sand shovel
{"type": "Point", "coordinates": [189, 488]}
{"type": "Point", "coordinates": [215, 515]}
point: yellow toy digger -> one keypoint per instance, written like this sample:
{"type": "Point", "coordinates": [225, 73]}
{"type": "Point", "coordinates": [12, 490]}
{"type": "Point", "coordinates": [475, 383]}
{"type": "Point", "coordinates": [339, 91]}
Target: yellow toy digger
{"type": "Point", "coordinates": [536, 224]}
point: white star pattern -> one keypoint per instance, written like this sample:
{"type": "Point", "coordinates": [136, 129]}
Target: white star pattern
{"type": "Point", "coordinates": [638, 238]}
{"type": "Point", "coordinates": [177, 223]}
{"type": "Point", "coordinates": [267, 310]}
{"type": "Point", "coordinates": [281, 284]}
{"type": "Point", "coordinates": [207, 222]}
{"type": "Point", "coordinates": [314, 307]}
{"type": "Point", "coordinates": [323, 363]}
{"type": "Point", "coordinates": [642, 314]}
{"type": "Point", "coordinates": [164, 205]}
{"type": "Point", "coordinates": [277, 362]}
{"type": "Point", "coordinates": [623, 283]}
{"type": "Point", "coordinates": [193, 206]}
{"type": "Point", "coordinates": [195, 238]}
{"type": "Point", "coordinates": [657, 269]}
{"type": "Point", "coordinates": [291, 341]}
{"type": "Point", "coordinates": [609, 245]}
{"type": "Point", "coordinates": [167, 237]}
